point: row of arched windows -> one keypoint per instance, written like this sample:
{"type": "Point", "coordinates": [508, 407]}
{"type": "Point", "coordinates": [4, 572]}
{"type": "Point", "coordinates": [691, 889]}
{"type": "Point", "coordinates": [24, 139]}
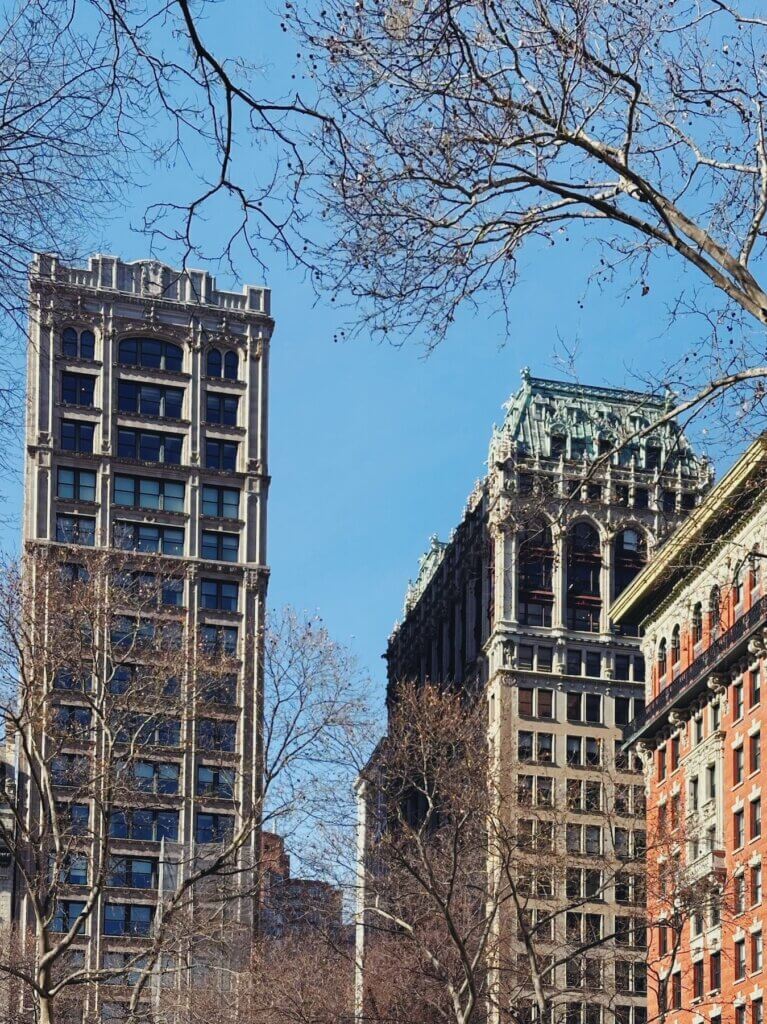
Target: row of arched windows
{"type": "Point", "coordinates": [583, 566]}
{"type": "Point", "coordinates": [669, 653]}
{"type": "Point", "coordinates": [151, 353]}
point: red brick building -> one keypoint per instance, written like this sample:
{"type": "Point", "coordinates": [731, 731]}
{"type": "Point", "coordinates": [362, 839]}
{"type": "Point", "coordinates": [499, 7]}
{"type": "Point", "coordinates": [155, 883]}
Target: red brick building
{"type": "Point", "coordinates": [702, 606]}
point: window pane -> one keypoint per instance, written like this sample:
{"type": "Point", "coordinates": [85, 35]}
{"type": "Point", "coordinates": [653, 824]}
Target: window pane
{"type": "Point", "coordinates": [173, 496]}
{"type": "Point", "coordinates": [149, 494]}
{"type": "Point", "coordinates": [66, 483]}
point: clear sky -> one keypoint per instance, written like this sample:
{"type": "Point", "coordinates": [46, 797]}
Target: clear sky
{"type": "Point", "coordinates": [374, 448]}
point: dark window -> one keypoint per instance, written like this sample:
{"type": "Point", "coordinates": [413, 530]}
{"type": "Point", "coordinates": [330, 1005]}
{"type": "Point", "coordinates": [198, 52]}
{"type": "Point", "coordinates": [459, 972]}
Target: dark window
{"type": "Point", "coordinates": [218, 689]}
{"type": "Point", "coordinates": [127, 919]}
{"type": "Point", "coordinates": [221, 408]}
{"type": "Point", "coordinates": [222, 547]}
{"type": "Point", "coordinates": [213, 363]}
{"type": "Point", "coordinates": [142, 492]}
{"type": "Point", "coordinates": [573, 662]}
{"type": "Point", "coordinates": [669, 501]}
{"type": "Point", "coordinates": [525, 654]}
{"type": "Point", "coordinates": [132, 872]}
{"type": "Point", "coordinates": [534, 579]}
{"type": "Point", "coordinates": [165, 540]}
{"type": "Point", "coordinates": [141, 823]}
{"type": "Point", "coordinates": [219, 639]}
{"type": "Point", "coordinates": [639, 669]}
{"type": "Point", "coordinates": [66, 914]}
{"type": "Point", "coordinates": [214, 828]}
{"type": "Point", "coordinates": [220, 454]}
{"type": "Point", "coordinates": [149, 399]}
{"type": "Point", "coordinates": [584, 565]}
{"type": "Point", "coordinates": [593, 664]}
{"type": "Point", "coordinates": [641, 497]}
{"type": "Point", "coordinates": [77, 436]}
{"type": "Point", "coordinates": [76, 484]}
{"type": "Point", "coordinates": [77, 389]}
{"type": "Point", "coordinates": [149, 446]}
{"type": "Point", "coordinates": [214, 781]}
{"type": "Point", "coordinates": [151, 353]}
{"type": "Point", "coordinates": [75, 530]}
{"type": "Point", "coordinates": [630, 555]}
{"type": "Point", "coordinates": [231, 362]}
{"type": "Point", "coordinates": [154, 777]}
{"type": "Point", "coordinates": [222, 502]}
{"type": "Point", "coordinates": [558, 446]}
{"type": "Point", "coordinates": [544, 659]}
{"type": "Point", "coordinates": [219, 594]}
{"type": "Point", "coordinates": [76, 345]}
{"type": "Point", "coordinates": [622, 666]}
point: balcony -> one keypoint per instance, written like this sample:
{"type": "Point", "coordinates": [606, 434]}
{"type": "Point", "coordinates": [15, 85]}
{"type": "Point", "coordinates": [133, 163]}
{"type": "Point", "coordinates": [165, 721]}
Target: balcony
{"type": "Point", "coordinates": [718, 657]}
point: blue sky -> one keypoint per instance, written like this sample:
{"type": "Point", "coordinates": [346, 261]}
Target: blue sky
{"type": "Point", "coordinates": [374, 448]}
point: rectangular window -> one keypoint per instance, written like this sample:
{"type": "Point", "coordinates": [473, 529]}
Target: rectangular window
{"type": "Point", "coordinates": [594, 708]}
{"type": "Point", "coordinates": [219, 639]}
{"type": "Point", "coordinates": [127, 919]}
{"type": "Point", "coordinates": [141, 492]}
{"type": "Point", "coordinates": [221, 408]}
{"type": "Point", "coordinates": [144, 824]}
{"type": "Point", "coordinates": [622, 666]}
{"type": "Point", "coordinates": [221, 502]}
{"type": "Point", "coordinates": [738, 761]}
{"type": "Point", "coordinates": [165, 540]}
{"type": "Point", "coordinates": [76, 484]}
{"type": "Point", "coordinates": [573, 662]}
{"type": "Point", "coordinates": [77, 389]}
{"type": "Point", "coordinates": [544, 659]}
{"type": "Point", "coordinates": [697, 979]}
{"type": "Point", "coordinates": [213, 734]}
{"type": "Point", "coordinates": [755, 814]}
{"type": "Point", "coordinates": [593, 664]}
{"type": "Point", "coordinates": [757, 1012]}
{"type": "Point", "coordinates": [755, 687]}
{"type": "Point", "coordinates": [149, 446]}
{"type": "Point", "coordinates": [737, 701]}
{"type": "Point", "coordinates": [215, 781]}
{"type": "Point", "coordinates": [220, 454]}
{"type": "Point", "coordinates": [132, 873]}
{"type": "Point", "coordinates": [755, 752]}
{"type": "Point", "coordinates": [756, 884]}
{"type": "Point", "coordinates": [756, 951]}
{"type": "Point", "coordinates": [222, 547]}
{"type": "Point", "coordinates": [525, 654]}
{"type": "Point", "coordinates": [219, 594]}
{"type": "Point", "coordinates": [66, 914]}
{"type": "Point", "coordinates": [214, 828]}
{"type": "Point", "coordinates": [639, 669]}
{"type": "Point", "coordinates": [149, 399]}
{"type": "Point", "coordinates": [75, 530]}
{"type": "Point", "coordinates": [77, 436]}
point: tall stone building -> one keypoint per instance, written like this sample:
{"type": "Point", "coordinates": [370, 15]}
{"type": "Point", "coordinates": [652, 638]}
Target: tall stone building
{"type": "Point", "coordinates": [515, 606]}
{"type": "Point", "coordinates": [147, 432]}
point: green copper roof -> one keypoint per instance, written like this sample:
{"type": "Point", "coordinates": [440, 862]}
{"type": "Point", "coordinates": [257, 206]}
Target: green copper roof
{"type": "Point", "coordinates": [582, 415]}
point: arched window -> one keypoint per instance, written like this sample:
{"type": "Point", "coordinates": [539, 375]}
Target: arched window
{"type": "Point", "coordinates": [78, 345]}
{"type": "Point", "coordinates": [715, 610]}
{"type": "Point", "coordinates": [629, 556]}
{"type": "Point", "coordinates": [213, 363]}
{"type": "Point", "coordinates": [558, 446]}
{"type": "Point", "coordinates": [584, 566]}
{"type": "Point", "coordinates": [755, 569]}
{"type": "Point", "coordinates": [69, 345]}
{"type": "Point", "coordinates": [231, 365]}
{"type": "Point", "coordinates": [697, 623]}
{"type": "Point", "coordinates": [151, 353]}
{"type": "Point", "coordinates": [675, 645]}
{"type": "Point", "coordinates": [662, 658]}
{"type": "Point", "coordinates": [87, 345]}
{"type": "Point", "coordinates": [535, 593]}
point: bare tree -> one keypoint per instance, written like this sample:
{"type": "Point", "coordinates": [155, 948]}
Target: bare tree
{"type": "Point", "coordinates": [470, 129]}
{"type": "Point", "coordinates": [474, 900]}
{"type": "Point", "coordinates": [105, 688]}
